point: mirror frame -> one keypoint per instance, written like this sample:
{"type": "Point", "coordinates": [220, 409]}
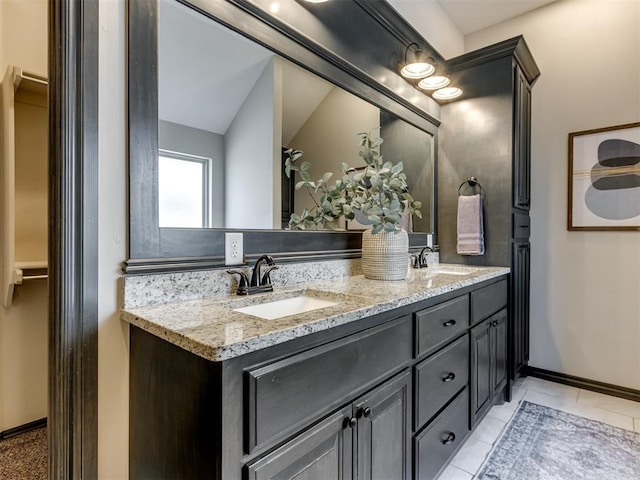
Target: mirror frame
{"type": "Point", "coordinates": [153, 249]}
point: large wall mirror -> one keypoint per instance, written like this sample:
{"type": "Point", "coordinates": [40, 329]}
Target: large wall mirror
{"type": "Point", "coordinates": [210, 116]}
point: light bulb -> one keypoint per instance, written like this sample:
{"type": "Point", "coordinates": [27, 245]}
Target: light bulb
{"type": "Point", "coordinates": [435, 82]}
{"type": "Point", "coordinates": [447, 93]}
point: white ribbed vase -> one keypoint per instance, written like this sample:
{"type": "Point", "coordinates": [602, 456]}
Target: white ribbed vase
{"type": "Point", "coordinates": [385, 255]}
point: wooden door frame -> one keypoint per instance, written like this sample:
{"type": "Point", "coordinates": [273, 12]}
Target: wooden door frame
{"type": "Point", "coordinates": [73, 239]}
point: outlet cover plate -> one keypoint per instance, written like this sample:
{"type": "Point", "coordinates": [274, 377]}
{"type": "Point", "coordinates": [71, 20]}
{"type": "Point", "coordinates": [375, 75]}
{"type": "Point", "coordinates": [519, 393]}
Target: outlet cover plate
{"type": "Point", "coordinates": [233, 248]}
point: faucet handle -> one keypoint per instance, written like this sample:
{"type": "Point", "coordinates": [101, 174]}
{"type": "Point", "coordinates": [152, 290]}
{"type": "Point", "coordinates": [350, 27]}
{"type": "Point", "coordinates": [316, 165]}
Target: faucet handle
{"type": "Point", "coordinates": [243, 283]}
{"type": "Point", "coordinates": [266, 278]}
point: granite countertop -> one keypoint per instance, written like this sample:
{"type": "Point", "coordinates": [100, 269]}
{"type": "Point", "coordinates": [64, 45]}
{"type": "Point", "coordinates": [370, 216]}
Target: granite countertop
{"type": "Point", "coordinates": [211, 328]}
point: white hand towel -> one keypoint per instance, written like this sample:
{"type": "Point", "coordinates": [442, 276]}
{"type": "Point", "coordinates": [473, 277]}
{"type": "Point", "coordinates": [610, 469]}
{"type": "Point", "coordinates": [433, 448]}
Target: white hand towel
{"type": "Point", "coordinates": [470, 228]}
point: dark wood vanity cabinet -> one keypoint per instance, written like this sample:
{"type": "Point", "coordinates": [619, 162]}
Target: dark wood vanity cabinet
{"type": "Point", "coordinates": [520, 295]}
{"type": "Point", "coordinates": [495, 147]}
{"type": "Point", "coordinates": [385, 397]}
{"type": "Point", "coordinates": [366, 440]}
{"type": "Point", "coordinates": [323, 451]}
{"type": "Point", "coordinates": [488, 348]}
{"type": "Point", "coordinates": [488, 363]}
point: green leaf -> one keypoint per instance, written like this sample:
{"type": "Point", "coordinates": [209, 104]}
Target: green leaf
{"type": "Point", "coordinates": [305, 166]}
{"type": "Point", "coordinates": [374, 210]}
{"type": "Point", "coordinates": [389, 227]}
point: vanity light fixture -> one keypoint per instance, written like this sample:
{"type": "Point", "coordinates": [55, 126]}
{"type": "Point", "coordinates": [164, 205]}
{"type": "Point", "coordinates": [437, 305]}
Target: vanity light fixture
{"type": "Point", "coordinates": [447, 93]}
{"type": "Point", "coordinates": [316, 1]}
{"type": "Point", "coordinates": [434, 82]}
{"type": "Point", "coordinates": [421, 65]}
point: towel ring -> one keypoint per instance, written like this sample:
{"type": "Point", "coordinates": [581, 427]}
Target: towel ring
{"type": "Point", "coordinates": [473, 182]}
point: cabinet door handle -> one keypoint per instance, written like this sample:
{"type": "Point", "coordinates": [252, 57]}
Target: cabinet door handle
{"type": "Point", "coordinates": [449, 323]}
{"type": "Point", "coordinates": [363, 412]}
{"type": "Point", "coordinates": [450, 377]}
{"type": "Point", "coordinates": [450, 438]}
{"type": "Point", "coordinates": [352, 422]}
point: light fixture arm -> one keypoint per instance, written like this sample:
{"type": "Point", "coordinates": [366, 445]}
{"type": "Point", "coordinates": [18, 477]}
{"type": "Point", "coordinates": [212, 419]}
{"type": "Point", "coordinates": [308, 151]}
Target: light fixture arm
{"type": "Point", "coordinates": [406, 50]}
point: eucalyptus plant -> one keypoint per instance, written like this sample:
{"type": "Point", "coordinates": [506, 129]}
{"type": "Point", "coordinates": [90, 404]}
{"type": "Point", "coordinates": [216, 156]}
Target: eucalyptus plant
{"type": "Point", "coordinates": [379, 191]}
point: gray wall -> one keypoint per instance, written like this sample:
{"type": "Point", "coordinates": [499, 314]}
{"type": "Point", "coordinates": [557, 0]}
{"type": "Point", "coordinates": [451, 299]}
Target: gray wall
{"type": "Point", "coordinates": [414, 148]}
{"type": "Point", "coordinates": [249, 152]}
{"type": "Point", "coordinates": [183, 139]}
{"type": "Point", "coordinates": [475, 140]}
{"type": "Point", "coordinates": [329, 138]}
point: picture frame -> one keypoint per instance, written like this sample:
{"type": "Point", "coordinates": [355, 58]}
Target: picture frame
{"type": "Point", "coordinates": [604, 179]}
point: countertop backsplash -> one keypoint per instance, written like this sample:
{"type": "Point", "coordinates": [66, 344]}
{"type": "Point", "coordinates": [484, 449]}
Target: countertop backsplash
{"type": "Point", "coordinates": [162, 288]}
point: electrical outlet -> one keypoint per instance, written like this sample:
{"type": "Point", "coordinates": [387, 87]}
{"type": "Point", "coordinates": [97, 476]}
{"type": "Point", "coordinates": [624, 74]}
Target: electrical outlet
{"type": "Point", "coordinates": [233, 248]}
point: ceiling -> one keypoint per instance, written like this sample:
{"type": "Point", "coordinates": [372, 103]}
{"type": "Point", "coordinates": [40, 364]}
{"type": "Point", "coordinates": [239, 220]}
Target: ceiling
{"type": "Point", "coordinates": [473, 15]}
{"type": "Point", "coordinates": [206, 71]}
{"type": "Point", "coordinates": [206, 90]}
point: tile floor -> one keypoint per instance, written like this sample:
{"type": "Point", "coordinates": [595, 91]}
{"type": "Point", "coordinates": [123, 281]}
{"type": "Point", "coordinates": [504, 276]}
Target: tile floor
{"type": "Point", "coordinates": [596, 406]}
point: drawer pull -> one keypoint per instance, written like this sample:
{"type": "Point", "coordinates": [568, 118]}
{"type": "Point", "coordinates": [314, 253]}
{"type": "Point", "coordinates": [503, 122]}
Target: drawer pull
{"type": "Point", "coordinates": [450, 438]}
{"type": "Point", "coordinates": [450, 377]}
{"type": "Point", "coordinates": [449, 323]}
{"type": "Point", "coordinates": [352, 422]}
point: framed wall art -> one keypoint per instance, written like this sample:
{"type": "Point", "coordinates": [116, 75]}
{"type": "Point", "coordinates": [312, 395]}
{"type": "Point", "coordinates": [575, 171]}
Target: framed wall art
{"type": "Point", "coordinates": [604, 179]}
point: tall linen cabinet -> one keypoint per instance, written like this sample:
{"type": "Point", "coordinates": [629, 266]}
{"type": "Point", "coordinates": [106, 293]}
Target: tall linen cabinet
{"type": "Point", "coordinates": [487, 134]}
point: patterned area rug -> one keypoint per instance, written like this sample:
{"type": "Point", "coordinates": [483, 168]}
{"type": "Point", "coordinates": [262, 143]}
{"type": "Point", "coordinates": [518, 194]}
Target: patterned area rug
{"type": "Point", "coordinates": [542, 443]}
{"type": "Point", "coordinates": [24, 457]}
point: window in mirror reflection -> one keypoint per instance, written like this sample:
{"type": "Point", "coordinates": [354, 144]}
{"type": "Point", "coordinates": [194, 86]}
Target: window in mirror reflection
{"type": "Point", "coordinates": [183, 190]}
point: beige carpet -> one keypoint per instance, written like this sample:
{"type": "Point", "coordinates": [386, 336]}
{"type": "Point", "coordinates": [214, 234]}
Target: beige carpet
{"type": "Point", "coordinates": [24, 457]}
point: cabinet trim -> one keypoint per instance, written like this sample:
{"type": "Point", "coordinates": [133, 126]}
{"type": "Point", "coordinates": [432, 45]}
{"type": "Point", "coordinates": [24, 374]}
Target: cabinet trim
{"type": "Point", "coordinates": [516, 47]}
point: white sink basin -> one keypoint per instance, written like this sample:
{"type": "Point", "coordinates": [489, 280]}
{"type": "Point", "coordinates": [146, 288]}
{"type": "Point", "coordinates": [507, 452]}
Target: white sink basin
{"type": "Point", "coordinates": [454, 270]}
{"type": "Point", "coordinates": [287, 307]}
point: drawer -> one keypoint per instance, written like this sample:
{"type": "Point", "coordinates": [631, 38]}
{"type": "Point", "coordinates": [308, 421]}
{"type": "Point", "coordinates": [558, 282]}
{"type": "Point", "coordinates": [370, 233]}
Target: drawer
{"type": "Point", "coordinates": [488, 300]}
{"type": "Point", "coordinates": [436, 445]}
{"type": "Point", "coordinates": [287, 395]}
{"type": "Point", "coordinates": [439, 378]}
{"type": "Point", "coordinates": [521, 226]}
{"type": "Point", "coordinates": [436, 325]}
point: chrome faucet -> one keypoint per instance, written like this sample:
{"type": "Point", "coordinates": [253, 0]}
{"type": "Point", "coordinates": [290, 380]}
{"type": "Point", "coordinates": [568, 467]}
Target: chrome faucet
{"type": "Point", "coordinates": [257, 284]}
{"type": "Point", "coordinates": [420, 260]}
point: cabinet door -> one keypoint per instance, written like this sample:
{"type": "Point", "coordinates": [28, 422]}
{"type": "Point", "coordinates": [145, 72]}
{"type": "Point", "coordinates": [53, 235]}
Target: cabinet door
{"type": "Point", "coordinates": [383, 431]}
{"type": "Point", "coordinates": [481, 378]}
{"type": "Point", "coordinates": [323, 451]}
{"type": "Point", "coordinates": [519, 339]}
{"type": "Point", "coordinates": [499, 351]}
{"type": "Point", "coordinates": [522, 143]}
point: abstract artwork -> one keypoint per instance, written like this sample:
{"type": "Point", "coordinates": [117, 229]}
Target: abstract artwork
{"type": "Point", "coordinates": [604, 179]}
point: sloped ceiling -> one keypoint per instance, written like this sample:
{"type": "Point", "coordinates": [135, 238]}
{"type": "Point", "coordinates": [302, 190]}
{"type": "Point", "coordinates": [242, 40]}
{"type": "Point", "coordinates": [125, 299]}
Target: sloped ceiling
{"type": "Point", "coordinates": [206, 71]}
